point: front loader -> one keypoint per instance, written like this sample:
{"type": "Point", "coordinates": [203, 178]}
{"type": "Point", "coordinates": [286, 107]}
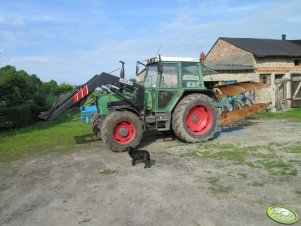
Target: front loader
{"type": "Point", "coordinates": [173, 97]}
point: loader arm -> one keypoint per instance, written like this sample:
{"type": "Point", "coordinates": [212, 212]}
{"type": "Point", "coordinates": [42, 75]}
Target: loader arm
{"type": "Point", "coordinates": [79, 95]}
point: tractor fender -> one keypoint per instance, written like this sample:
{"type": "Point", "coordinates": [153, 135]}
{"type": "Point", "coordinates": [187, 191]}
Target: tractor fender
{"type": "Point", "coordinates": [208, 92]}
{"type": "Point", "coordinates": [126, 108]}
{"type": "Point", "coordinates": [131, 109]}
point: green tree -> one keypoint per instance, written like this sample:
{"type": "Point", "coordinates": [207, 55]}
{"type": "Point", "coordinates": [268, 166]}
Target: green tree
{"type": "Point", "coordinates": [23, 96]}
{"type": "Point", "coordinates": [50, 87]}
{"type": "Point", "coordinates": [13, 86]}
{"type": "Point", "coordinates": [64, 88]}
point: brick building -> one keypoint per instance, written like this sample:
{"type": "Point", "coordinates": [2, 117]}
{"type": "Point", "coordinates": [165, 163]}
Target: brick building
{"type": "Point", "coordinates": [276, 63]}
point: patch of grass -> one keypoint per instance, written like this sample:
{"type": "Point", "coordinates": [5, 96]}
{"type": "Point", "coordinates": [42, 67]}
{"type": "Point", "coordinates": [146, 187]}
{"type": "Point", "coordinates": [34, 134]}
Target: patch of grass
{"type": "Point", "coordinates": [278, 145]}
{"type": "Point", "coordinates": [294, 115]}
{"type": "Point", "coordinates": [229, 152]}
{"type": "Point", "coordinates": [179, 143]}
{"type": "Point", "coordinates": [209, 145]}
{"type": "Point", "coordinates": [278, 167]}
{"type": "Point", "coordinates": [192, 154]}
{"type": "Point", "coordinates": [235, 156]}
{"type": "Point", "coordinates": [298, 192]}
{"type": "Point", "coordinates": [294, 149]}
{"type": "Point", "coordinates": [230, 174]}
{"type": "Point", "coordinates": [86, 220]}
{"type": "Point", "coordinates": [295, 162]}
{"type": "Point", "coordinates": [108, 171]}
{"type": "Point", "coordinates": [221, 189]}
{"type": "Point", "coordinates": [268, 158]}
{"type": "Point", "coordinates": [44, 137]}
{"type": "Point", "coordinates": [217, 188]}
{"type": "Point", "coordinates": [256, 184]}
{"type": "Point", "coordinates": [252, 165]}
{"type": "Point", "coordinates": [213, 180]}
{"type": "Point", "coordinates": [208, 171]}
{"type": "Point", "coordinates": [243, 175]}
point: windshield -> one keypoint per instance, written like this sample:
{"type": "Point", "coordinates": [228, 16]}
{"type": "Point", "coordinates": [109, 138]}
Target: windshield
{"type": "Point", "coordinates": [151, 76]}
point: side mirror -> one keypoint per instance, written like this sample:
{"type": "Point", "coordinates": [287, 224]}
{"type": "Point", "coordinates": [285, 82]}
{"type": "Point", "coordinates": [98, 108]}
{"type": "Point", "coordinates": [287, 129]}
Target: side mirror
{"type": "Point", "coordinates": [160, 65]}
{"type": "Point", "coordinates": [122, 69]}
{"type": "Point", "coordinates": [137, 69]}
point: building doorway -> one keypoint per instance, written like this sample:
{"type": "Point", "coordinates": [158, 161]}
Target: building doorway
{"type": "Point", "coordinates": [296, 90]}
{"type": "Point", "coordinates": [281, 100]}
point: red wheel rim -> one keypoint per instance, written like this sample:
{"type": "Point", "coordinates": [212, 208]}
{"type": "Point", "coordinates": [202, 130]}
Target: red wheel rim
{"type": "Point", "coordinates": [124, 132]}
{"type": "Point", "coordinates": [199, 119]}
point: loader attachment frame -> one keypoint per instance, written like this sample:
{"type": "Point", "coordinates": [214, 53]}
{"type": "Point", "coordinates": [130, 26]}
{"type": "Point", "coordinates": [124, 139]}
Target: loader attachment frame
{"type": "Point", "coordinates": [80, 94]}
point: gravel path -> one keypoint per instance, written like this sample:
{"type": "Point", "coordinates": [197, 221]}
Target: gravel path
{"type": "Point", "coordinates": [75, 189]}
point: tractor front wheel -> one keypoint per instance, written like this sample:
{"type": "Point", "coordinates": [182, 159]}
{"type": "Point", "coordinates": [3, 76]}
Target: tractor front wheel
{"type": "Point", "coordinates": [195, 118]}
{"type": "Point", "coordinates": [97, 121]}
{"type": "Point", "coordinates": [121, 129]}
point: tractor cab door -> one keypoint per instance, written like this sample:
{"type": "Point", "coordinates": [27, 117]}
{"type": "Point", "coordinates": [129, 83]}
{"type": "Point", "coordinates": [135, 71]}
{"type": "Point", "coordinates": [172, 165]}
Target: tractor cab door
{"type": "Point", "coordinates": [150, 86]}
{"type": "Point", "coordinates": [161, 90]}
{"type": "Point", "coordinates": [168, 82]}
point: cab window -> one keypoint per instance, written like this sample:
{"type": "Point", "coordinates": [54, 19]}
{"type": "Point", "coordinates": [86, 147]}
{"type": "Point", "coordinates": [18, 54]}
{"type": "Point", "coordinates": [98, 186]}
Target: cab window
{"type": "Point", "coordinates": [150, 80]}
{"type": "Point", "coordinates": [169, 78]}
{"type": "Point", "coordinates": [190, 75]}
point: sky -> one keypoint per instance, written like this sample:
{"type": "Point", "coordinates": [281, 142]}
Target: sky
{"type": "Point", "coordinates": [72, 40]}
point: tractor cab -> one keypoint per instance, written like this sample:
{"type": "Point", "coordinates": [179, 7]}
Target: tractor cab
{"type": "Point", "coordinates": [171, 72]}
{"type": "Point", "coordinates": [167, 78]}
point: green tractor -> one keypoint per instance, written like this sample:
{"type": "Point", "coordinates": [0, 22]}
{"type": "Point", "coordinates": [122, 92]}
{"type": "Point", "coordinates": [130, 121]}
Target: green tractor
{"type": "Point", "coordinates": [173, 97]}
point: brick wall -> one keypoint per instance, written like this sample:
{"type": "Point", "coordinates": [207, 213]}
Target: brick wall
{"type": "Point", "coordinates": [265, 95]}
{"type": "Point", "coordinates": [239, 77]}
{"type": "Point", "coordinates": [274, 62]}
{"type": "Point", "coordinates": [225, 53]}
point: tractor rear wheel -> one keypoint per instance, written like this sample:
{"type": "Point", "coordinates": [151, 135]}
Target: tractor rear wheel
{"type": "Point", "coordinates": [121, 129]}
{"type": "Point", "coordinates": [97, 121]}
{"type": "Point", "coordinates": [195, 118]}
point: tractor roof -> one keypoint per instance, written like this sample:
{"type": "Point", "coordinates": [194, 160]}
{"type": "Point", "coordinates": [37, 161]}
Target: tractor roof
{"type": "Point", "coordinates": [171, 59]}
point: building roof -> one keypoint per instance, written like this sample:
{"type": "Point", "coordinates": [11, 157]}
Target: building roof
{"type": "Point", "coordinates": [267, 47]}
{"type": "Point", "coordinates": [296, 41]}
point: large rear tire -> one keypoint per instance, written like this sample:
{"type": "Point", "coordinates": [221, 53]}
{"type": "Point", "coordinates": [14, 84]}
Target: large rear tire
{"type": "Point", "coordinates": [195, 118]}
{"type": "Point", "coordinates": [121, 129]}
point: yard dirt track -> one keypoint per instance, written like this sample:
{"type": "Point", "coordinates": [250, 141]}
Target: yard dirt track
{"type": "Point", "coordinates": [72, 189]}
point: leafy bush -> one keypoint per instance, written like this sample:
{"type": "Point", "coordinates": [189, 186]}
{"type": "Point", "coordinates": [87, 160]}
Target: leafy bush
{"type": "Point", "coordinates": [23, 96]}
{"type": "Point", "coordinates": [20, 115]}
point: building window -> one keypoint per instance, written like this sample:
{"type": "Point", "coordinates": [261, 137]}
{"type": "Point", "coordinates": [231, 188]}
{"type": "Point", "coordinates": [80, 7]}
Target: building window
{"type": "Point", "coordinates": [279, 78]}
{"type": "Point", "coordinates": [265, 79]}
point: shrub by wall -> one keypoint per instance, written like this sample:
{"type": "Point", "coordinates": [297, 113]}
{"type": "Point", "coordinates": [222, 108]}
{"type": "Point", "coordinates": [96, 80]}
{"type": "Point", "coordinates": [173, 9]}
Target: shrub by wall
{"type": "Point", "coordinates": [19, 116]}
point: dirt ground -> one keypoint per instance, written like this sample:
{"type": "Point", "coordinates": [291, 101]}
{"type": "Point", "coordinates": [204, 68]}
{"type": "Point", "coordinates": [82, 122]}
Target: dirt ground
{"type": "Point", "coordinates": [78, 189]}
